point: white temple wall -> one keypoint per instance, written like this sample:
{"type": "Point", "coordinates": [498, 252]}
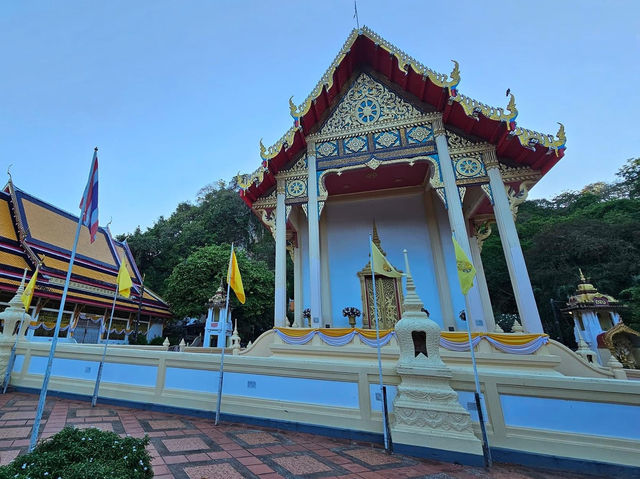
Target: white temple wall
{"type": "Point", "coordinates": [457, 298]}
{"type": "Point", "coordinates": [401, 225]}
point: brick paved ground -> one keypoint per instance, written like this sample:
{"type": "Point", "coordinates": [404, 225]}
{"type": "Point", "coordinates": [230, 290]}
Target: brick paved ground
{"type": "Point", "coordinates": [184, 447]}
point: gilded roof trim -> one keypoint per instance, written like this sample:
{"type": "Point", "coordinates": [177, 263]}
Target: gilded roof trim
{"type": "Point", "coordinates": [472, 108]}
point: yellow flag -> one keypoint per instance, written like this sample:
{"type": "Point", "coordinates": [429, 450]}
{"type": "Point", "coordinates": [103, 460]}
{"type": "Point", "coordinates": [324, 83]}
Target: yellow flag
{"type": "Point", "coordinates": [124, 280]}
{"type": "Point", "coordinates": [380, 265]}
{"type": "Point", "coordinates": [27, 294]}
{"type": "Point", "coordinates": [466, 271]}
{"type": "Point", "coordinates": [234, 280]}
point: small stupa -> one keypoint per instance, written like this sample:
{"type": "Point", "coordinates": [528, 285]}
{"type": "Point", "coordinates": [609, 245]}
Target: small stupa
{"type": "Point", "coordinates": [426, 405]}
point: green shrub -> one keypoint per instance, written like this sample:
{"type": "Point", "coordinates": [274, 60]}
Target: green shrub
{"type": "Point", "coordinates": [157, 341]}
{"type": "Point", "coordinates": [83, 454]}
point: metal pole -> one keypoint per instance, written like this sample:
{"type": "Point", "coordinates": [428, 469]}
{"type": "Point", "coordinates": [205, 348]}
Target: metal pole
{"type": "Point", "coordinates": [54, 343]}
{"type": "Point", "coordinates": [135, 332]}
{"type": "Point", "coordinates": [224, 341]}
{"type": "Point", "coordinates": [554, 310]}
{"type": "Point", "coordinates": [486, 451]}
{"type": "Point", "coordinates": [385, 419]}
{"type": "Point", "coordinates": [94, 399]}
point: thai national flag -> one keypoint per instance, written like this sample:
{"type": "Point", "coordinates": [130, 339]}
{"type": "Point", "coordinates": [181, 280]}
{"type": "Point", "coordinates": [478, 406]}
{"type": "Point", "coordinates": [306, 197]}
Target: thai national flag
{"type": "Point", "coordinates": [89, 202]}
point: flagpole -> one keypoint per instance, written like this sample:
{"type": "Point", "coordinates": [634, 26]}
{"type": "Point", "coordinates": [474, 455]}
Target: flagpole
{"type": "Point", "coordinates": [135, 333]}
{"type": "Point", "coordinates": [94, 399]}
{"type": "Point", "coordinates": [54, 343]}
{"type": "Point", "coordinates": [486, 450]}
{"type": "Point", "coordinates": [224, 339]}
{"type": "Point", "coordinates": [385, 418]}
{"type": "Point", "coordinates": [485, 441]}
{"type": "Point", "coordinates": [12, 356]}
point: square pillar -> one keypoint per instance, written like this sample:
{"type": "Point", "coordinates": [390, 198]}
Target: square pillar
{"type": "Point", "coordinates": [458, 224]}
{"type": "Point", "coordinates": [523, 292]}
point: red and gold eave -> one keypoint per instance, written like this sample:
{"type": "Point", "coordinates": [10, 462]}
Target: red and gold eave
{"type": "Point", "coordinates": [364, 48]}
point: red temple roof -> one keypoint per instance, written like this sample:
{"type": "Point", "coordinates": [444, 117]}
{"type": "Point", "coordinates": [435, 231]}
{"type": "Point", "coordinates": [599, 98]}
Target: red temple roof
{"type": "Point", "coordinates": [365, 48]}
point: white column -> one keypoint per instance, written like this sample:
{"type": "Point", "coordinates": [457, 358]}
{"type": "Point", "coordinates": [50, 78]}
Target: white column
{"type": "Point", "coordinates": [458, 223]}
{"type": "Point", "coordinates": [314, 239]}
{"type": "Point", "coordinates": [523, 292]}
{"type": "Point", "coordinates": [476, 258]}
{"type": "Point", "coordinates": [297, 285]}
{"type": "Point", "coordinates": [324, 271]}
{"type": "Point", "coordinates": [444, 292]}
{"type": "Point", "coordinates": [280, 301]}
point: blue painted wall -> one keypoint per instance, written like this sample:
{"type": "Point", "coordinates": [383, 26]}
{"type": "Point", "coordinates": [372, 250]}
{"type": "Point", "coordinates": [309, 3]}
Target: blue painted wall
{"type": "Point", "coordinates": [582, 417]}
{"type": "Point", "coordinates": [457, 298]}
{"type": "Point", "coordinates": [401, 223]}
{"type": "Point", "coordinates": [118, 373]}
{"type": "Point", "coordinates": [309, 391]}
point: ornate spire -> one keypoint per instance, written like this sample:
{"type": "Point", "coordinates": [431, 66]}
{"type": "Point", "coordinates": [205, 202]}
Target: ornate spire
{"type": "Point", "coordinates": [16, 301]}
{"type": "Point", "coordinates": [219, 297]}
{"type": "Point", "coordinates": [412, 301]}
{"type": "Point", "coordinates": [582, 278]}
{"type": "Point", "coordinates": [376, 238]}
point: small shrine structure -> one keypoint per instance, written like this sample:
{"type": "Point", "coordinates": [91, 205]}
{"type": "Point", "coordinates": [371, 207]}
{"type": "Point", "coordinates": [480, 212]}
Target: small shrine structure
{"type": "Point", "coordinates": [214, 323]}
{"type": "Point", "coordinates": [598, 327]}
{"type": "Point", "coordinates": [384, 138]}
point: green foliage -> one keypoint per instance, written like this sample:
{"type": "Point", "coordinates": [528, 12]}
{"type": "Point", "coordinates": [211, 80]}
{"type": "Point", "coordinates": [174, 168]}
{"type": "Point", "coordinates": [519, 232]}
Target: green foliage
{"type": "Point", "coordinates": [83, 453]}
{"type": "Point", "coordinates": [506, 321]}
{"type": "Point", "coordinates": [629, 175]}
{"type": "Point", "coordinates": [596, 229]}
{"type": "Point", "coordinates": [141, 340]}
{"type": "Point", "coordinates": [157, 341]}
{"type": "Point", "coordinates": [219, 216]}
{"type": "Point", "coordinates": [195, 280]}
{"type": "Point", "coordinates": [176, 248]}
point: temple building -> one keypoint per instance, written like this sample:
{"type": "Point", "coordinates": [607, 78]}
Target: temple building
{"type": "Point", "coordinates": [33, 231]}
{"type": "Point", "coordinates": [384, 146]}
{"type": "Point", "coordinates": [598, 327]}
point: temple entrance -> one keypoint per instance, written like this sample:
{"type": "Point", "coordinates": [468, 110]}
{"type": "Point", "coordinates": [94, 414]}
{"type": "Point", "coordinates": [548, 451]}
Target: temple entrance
{"type": "Point", "coordinates": [388, 292]}
{"type": "Point", "coordinates": [389, 296]}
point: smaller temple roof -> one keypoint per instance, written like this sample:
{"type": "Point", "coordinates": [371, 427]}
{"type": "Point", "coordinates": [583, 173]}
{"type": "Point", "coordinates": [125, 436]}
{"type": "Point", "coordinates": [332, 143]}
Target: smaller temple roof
{"type": "Point", "coordinates": [33, 231]}
{"type": "Point", "coordinates": [588, 297]}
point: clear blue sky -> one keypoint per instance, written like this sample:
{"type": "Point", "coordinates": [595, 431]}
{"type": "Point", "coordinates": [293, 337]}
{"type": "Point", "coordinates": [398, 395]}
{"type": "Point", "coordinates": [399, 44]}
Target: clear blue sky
{"type": "Point", "coordinates": [177, 94]}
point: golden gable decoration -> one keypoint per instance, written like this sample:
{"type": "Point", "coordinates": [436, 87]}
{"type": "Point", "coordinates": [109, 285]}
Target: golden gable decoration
{"type": "Point", "coordinates": [367, 104]}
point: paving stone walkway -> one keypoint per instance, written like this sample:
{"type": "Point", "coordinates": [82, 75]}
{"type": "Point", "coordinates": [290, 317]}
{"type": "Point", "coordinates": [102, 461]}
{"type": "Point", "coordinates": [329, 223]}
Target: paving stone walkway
{"type": "Point", "coordinates": [184, 447]}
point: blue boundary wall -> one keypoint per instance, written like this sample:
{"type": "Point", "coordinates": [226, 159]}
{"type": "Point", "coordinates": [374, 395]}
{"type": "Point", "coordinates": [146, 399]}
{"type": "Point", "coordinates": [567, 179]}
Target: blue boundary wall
{"type": "Point", "coordinates": [542, 461]}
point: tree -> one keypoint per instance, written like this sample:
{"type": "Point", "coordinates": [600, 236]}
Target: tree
{"type": "Point", "coordinates": [630, 177]}
{"type": "Point", "coordinates": [194, 280]}
{"type": "Point", "coordinates": [219, 216]}
{"type": "Point", "coordinates": [596, 229]}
